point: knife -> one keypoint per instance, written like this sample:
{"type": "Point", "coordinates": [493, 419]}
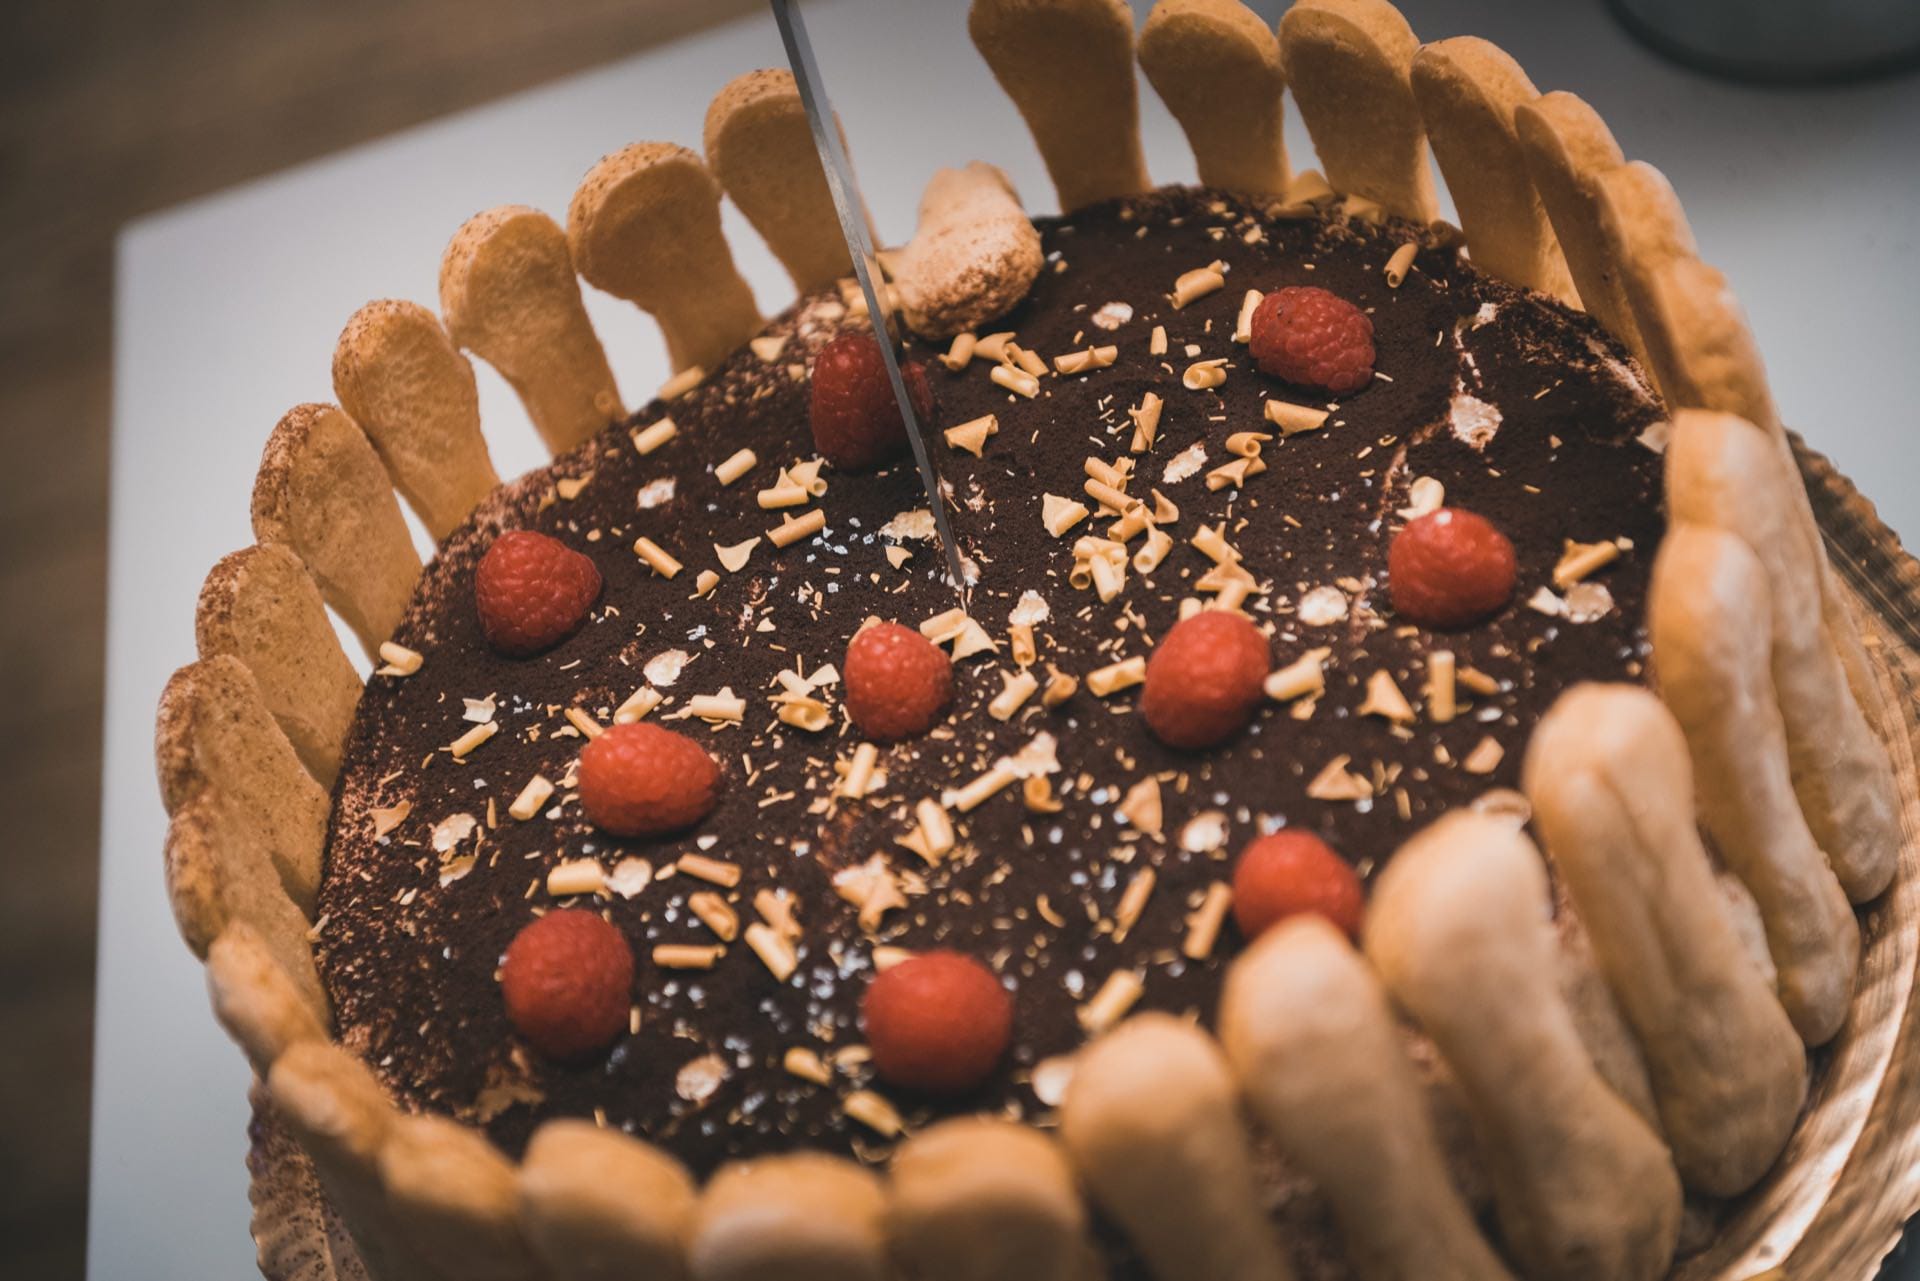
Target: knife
{"type": "Point", "coordinates": [853, 227]}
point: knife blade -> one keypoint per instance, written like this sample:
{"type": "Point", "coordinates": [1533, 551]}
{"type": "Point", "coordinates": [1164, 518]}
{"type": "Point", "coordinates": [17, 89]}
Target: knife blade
{"type": "Point", "coordinates": [853, 227]}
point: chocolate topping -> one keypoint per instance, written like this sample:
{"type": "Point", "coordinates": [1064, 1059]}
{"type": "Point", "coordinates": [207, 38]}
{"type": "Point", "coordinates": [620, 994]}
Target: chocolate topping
{"type": "Point", "coordinates": [1523, 409]}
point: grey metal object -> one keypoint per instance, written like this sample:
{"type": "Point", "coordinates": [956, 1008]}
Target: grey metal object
{"type": "Point", "coordinates": [848, 205]}
{"type": "Point", "coordinates": [1780, 41]}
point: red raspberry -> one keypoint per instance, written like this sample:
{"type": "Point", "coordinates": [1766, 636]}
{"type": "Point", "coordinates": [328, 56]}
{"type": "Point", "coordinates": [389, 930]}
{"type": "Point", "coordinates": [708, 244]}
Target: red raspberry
{"type": "Point", "coordinates": [938, 1022]}
{"type": "Point", "coordinates": [897, 681]}
{"type": "Point", "coordinates": [1204, 678]}
{"type": "Point", "coordinates": [567, 981]}
{"type": "Point", "coordinates": [856, 420]}
{"type": "Point", "coordinates": [532, 591]}
{"type": "Point", "coordinates": [642, 780]}
{"type": "Point", "coordinates": [1308, 336]}
{"type": "Point", "coordinates": [1449, 568]}
{"type": "Point", "coordinates": [1292, 872]}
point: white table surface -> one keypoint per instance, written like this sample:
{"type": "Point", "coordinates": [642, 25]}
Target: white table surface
{"type": "Point", "coordinates": [228, 309]}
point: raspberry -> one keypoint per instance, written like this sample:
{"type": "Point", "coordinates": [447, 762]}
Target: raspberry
{"type": "Point", "coordinates": [1291, 872]}
{"type": "Point", "coordinates": [1308, 336]}
{"type": "Point", "coordinates": [642, 780]}
{"type": "Point", "coordinates": [856, 420]}
{"type": "Point", "coordinates": [938, 1022]}
{"type": "Point", "coordinates": [1449, 568]}
{"type": "Point", "coordinates": [897, 681]}
{"type": "Point", "coordinates": [1204, 678]}
{"type": "Point", "coordinates": [532, 591]}
{"type": "Point", "coordinates": [567, 981]}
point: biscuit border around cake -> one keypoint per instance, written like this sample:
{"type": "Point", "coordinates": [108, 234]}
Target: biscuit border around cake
{"type": "Point", "coordinates": [509, 295]}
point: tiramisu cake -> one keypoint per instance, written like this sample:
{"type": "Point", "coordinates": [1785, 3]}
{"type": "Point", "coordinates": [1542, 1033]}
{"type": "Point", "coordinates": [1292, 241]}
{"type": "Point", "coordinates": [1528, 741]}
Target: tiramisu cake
{"type": "Point", "coordinates": [703, 885]}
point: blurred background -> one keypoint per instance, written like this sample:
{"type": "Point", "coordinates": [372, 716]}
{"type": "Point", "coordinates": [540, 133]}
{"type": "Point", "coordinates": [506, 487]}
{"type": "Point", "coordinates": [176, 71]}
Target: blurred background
{"type": "Point", "coordinates": [117, 108]}
{"type": "Point", "coordinates": [110, 109]}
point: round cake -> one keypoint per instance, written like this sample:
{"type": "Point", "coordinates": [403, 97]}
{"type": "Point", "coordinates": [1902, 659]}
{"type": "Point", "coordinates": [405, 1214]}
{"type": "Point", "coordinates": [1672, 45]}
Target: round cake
{"type": "Point", "coordinates": [1520, 409]}
{"type": "Point", "coordinates": [1389, 797]}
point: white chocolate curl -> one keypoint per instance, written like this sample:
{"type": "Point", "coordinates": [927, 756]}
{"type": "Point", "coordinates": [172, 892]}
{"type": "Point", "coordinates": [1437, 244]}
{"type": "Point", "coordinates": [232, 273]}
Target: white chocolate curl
{"type": "Point", "coordinates": [973, 256]}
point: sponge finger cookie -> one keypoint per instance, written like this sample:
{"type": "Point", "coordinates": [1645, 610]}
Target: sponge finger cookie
{"type": "Point", "coordinates": [1306, 1026]}
{"type": "Point", "coordinates": [322, 492]}
{"type": "Point", "coordinates": [1468, 89]}
{"type": "Point", "coordinates": [1567, 148]}
{"type": "Point", "coordinates": [1349, 64]}
{"type": "Point", "coordinates": [760, 148]}
{"type": "Point", "coordinates": [1068, 66]}
{"type": "Point", "coordinates": [508, 294]}
{"type": "Point", "coordinates": [1725, 472]}
{"type": "Point", "coordinates": [1709, 617]}
{"type": "Point", "coordinates": [216, 740]}
{"type": "Point", "coordinates": [261, 1008]}
{"type": "Point", "coordinates": [804, 1217]}
{"type": "Point", "coordinates": [601, 1206]}
{"type": "Point", "coordinates": [260, 605]}
{"type": "Point", "coordinates": [400, 377]}
{"type": "Point", "coordinates": [1459, 931]}
{"type": "Point", "coordinates": [972, 257]}
{"type": "Point", "coordinates": [980, 1199]}
{"type": "Point", "coordinates": [1217, 67]}
{"type": "Point", "coordinates": [644, 225]}
{"type": "Point", "coordinates": [1152, 1124]}
{"type": "Point", "coordinates": [1612, 792]}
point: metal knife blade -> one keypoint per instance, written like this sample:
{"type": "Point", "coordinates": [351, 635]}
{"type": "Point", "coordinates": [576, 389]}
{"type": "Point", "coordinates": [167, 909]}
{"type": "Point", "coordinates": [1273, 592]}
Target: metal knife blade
{"type": "Point", "coordinates": [853, 226]}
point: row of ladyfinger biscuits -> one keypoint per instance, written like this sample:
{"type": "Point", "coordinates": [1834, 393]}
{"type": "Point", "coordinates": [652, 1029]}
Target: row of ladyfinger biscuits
{"type": "Point", "coordinates": [270, 1011]}
{"type": "Point", "coordinates": [250, 737]}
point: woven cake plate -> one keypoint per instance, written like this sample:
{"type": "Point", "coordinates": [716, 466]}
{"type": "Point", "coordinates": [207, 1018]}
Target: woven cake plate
{"type": "Point", "coordinates": [1834, 1205]}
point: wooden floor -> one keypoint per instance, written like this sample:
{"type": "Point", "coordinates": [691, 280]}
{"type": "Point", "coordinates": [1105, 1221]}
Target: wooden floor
{"type": "Point", "coordinates": [109, 110]}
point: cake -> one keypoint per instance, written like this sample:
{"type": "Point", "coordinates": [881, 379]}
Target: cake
{"type": "Point", "coordinates": [703, 884]}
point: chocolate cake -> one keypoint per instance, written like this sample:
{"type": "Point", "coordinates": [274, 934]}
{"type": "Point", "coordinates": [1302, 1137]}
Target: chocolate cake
{"type": "Point", "coordinates": [1524, 411]}
{"type": "Point", "coordinates": [703, 884]}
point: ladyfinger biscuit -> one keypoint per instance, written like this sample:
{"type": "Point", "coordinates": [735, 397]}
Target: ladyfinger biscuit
{"type": "Point", "coordinates": [973, 255]}
{"type": "Point", "coordinates": [599, 1205]}
{"type": "Point", "coordinates": [341, 1118]}
{"type": "Point", "coordinates": [216, 876]}
{"type": "Point", "coordinates": [1306, 1026]}
{"type": "Point", "coordinates": [1715, 364]}
{"type": "Point", "coordinates": [322, 492]}
{"type": "Point", "coordinates": [509, 295]}
{"type": "Point", "coordinates": [1151, 1122]}
{"type": "Point", "coordinates": [1349, 64]}
{"type": "Point", "coordinates": [1710, 618]}
{"type": "Point", "coordinates": [1068, 66]}
{"type": "Point", "coordinates": [216, 740]}
{"type": "Point", "coordinates": [1567, 147]}
{"type": "Point", "coordinates": [1646, 231]}
{"type": "Point", "coordinates": [1612, 791]}
{"type": "Point", "coordinates": [644, 225]}
{"type": "Point", "coordinates": [1217, 67]}
{"type": "Point", "coordinates": [401, 378]}
{"type": "Point", "coordinates": [1458, 929]}
{"type": "Point", "coordinates": [760, 148]}
{"type": "Point", "coordinates": [261, 606]}
{"type": "Point", "coordinates": [294, 1238]}
{"type": "Point", "coordinates": [1467, 90]}
{"type": "Point", "coordinates": [261, 1008]}
{"type": "Point", "coordinates": [804, 1216]}
{"type": "Point", "coordinates": [1725, 472]}
{"type": "Point", "coordinates": [982, 1199]}
{"type": "Point", "coordinates": [456, 1197]}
